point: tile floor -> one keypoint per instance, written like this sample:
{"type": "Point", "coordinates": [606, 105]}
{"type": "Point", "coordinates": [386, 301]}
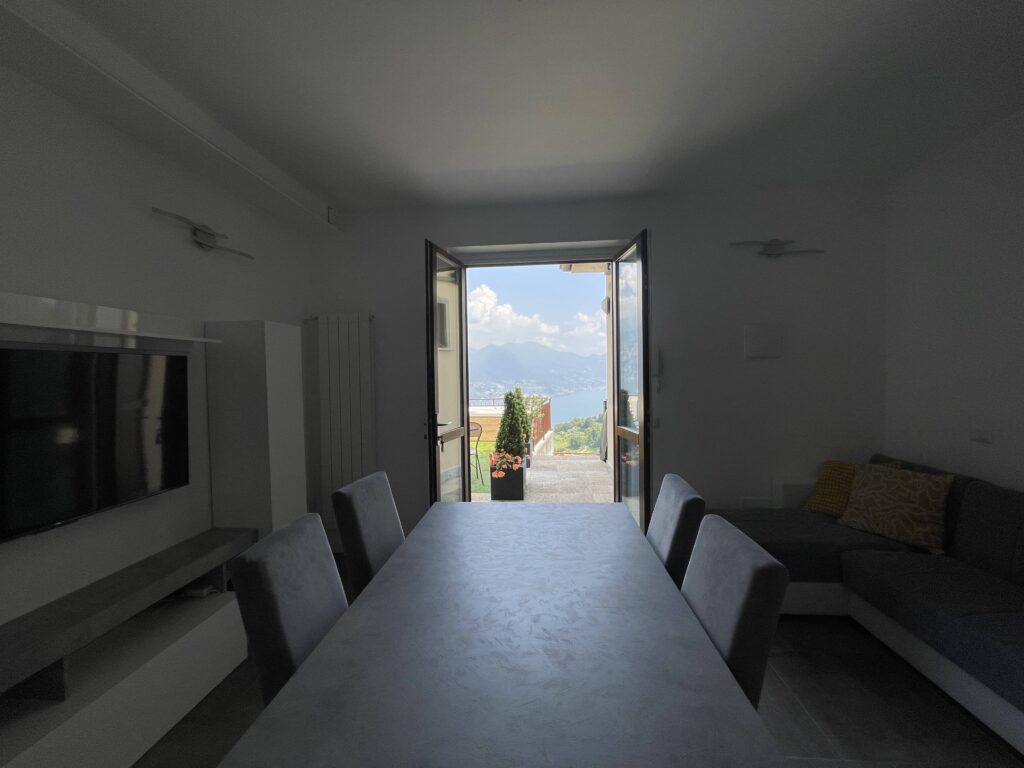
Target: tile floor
{"type": "Point", "coordinates": [566, 478]}
{"type": "Point", "coordinates": [834, 697]}
{"type": "Point", "coordinates": [569, 478]}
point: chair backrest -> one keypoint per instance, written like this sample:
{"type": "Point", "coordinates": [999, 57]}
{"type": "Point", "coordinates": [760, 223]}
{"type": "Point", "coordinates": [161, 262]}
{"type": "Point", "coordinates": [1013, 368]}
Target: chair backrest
{"type": "Point", "coordinates": [369, 526]}
{"type": "Point", "coordinates": [476, 429]}
{"type": "Point", "coordinates": [736, 589]}
{"type": "Point", "coordinates": [674, 523]}
{"type": "Point", "coordinates": [289, 593]}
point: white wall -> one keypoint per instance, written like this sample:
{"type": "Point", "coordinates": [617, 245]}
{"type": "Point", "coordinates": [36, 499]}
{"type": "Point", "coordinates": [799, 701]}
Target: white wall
{"type": "Point", "coordinates": [728, 424]}
{"type": "Point", "coordinates": [75, 224]}
{"type": "Point", "coordinates": [955, 309]}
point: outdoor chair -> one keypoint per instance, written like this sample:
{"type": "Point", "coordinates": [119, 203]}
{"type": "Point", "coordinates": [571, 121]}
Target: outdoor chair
{"type": "Point", "coordinates": [474, 450]}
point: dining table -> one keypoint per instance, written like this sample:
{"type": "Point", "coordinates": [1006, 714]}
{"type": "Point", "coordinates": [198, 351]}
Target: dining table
{"type": "Point", "coordinates": [514, 634]}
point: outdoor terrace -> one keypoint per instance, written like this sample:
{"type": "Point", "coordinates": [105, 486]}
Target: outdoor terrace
{"type": "Point", "coordinates": [562, 478]}
{"type": "Point", "coordinates": [552, 476]}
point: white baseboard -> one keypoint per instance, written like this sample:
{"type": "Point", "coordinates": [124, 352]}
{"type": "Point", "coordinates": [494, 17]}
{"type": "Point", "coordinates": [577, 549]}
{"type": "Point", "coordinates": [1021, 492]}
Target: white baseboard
{"type": "Point", "coordinates": [980, 700]}
{"type": "Point", "coordinates": [812, 598]}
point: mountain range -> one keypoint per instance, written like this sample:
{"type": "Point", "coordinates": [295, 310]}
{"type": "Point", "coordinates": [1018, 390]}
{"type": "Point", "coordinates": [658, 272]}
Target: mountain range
{"type": "Point", "coordinates": [539, 370]}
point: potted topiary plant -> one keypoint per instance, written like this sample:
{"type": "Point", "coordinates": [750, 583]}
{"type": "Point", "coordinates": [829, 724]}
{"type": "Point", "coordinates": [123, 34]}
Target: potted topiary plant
{"type": "Point", "coordinates": [506, 463]}
{"type": "Point", "coordinates": [525, 425]}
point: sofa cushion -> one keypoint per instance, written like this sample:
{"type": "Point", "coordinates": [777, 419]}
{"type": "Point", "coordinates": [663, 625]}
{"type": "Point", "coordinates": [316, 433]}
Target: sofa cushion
{"type": "Point", "coordinates": [899, 504]}
{"type": "Point", "coordinates": [807, 543]}
{"type": "Point", "coordinates": [925, 593]}
{"type": "Point", "coordinates": [990, 530]}
{"type": "Point", "coordinates": [990, 646]}
{"type": "Point", "coordinates": [956, 491]}
{"type": "Point", "coordinates": [832, 489]}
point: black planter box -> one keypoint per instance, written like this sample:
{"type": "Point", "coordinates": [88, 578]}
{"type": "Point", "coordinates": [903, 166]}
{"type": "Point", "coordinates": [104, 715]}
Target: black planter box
{"type": "Point", "coordinates": [510, 487]}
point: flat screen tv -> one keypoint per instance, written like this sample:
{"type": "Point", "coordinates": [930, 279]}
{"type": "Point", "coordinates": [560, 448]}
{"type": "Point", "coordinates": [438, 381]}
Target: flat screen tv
{"type": "Point", "coordinates": [86, 430]}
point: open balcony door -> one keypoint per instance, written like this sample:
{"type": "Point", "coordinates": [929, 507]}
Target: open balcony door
{"type": "Point", "coordinates": [630, 406]}
{"type": "Point", "coordinates": [447, 406]}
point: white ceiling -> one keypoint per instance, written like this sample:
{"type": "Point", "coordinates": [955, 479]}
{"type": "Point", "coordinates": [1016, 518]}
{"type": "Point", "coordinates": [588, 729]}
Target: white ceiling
{"type": "Point", "coordinates": [387, 103]}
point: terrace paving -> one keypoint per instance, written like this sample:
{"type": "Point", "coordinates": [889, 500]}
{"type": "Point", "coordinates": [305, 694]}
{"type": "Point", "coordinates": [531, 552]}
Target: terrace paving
{"type": "Point", "coordinates": [566, 478]}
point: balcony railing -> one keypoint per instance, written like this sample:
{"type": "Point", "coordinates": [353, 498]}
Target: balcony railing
{"type": "Point", "coordinates": [487, 402]}
{"type": "Point", "coordinates": [490, 409]}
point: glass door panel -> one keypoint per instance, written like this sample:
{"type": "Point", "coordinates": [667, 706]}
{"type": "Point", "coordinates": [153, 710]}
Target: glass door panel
{"type": "Point", "coordinates": [628, 476]}
{"type": "Point", "coordinates": [447, 411]}
{"type": "Point", "coordinates": [629, 291]}
{"type": "Point", "coordinates": [452, 472]}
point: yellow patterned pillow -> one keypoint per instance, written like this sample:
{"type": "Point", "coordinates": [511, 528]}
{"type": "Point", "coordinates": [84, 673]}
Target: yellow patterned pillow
{"type": "Point", "coordinates": [899, 504]}
{"type": "Point", "coordinates": [832, 490]}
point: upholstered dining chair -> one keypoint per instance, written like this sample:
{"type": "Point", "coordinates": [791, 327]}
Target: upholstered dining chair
{"type": "Point", "coordinates": [674, 522]}
{"type": "Point", "coordinates": [289, 593]}
{"type": "Point", "coordinates": [369, 526]}
{"type": "Point", "coordinates": [736, 589]}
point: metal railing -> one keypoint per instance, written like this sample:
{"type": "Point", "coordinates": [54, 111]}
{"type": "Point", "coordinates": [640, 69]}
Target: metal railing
{"type": "Point", "coordinates": [541, 424]}
{"type": "Point", "coordinates": [486, 402]}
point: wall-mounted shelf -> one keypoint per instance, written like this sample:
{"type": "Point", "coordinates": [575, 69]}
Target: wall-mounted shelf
{"type": "Point", "coordinates": [43, 637]}
{"type": "Point", "coordinates": [37, 315]}
{"type": "Point", "coordinates": [118, 332]}
{"type": "Point", "coordinates": [130, 686]}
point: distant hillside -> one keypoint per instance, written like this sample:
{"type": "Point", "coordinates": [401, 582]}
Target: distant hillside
{"type": "Point", "coordinates": [494, 369]}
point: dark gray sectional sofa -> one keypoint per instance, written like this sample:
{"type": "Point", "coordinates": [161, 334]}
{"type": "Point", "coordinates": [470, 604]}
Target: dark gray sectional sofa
{"type": "Point", "coordinates": [957, 617]}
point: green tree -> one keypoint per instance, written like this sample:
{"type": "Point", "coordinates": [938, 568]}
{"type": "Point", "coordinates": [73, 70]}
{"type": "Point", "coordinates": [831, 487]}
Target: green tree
{"type": "Point", "coordinates": [534, 408]}
{"type": "Point", "coordinates": [511, 435]}
{"type": "Point", "coordinates": [580, 435]}
{"type": "Point", "coordinates": [525, 426]}
{"type": "Point", "coordinates": [626, 409]}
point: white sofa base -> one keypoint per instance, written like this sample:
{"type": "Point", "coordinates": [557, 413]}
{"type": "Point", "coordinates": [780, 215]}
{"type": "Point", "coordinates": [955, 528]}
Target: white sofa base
{"type": "Point", "coordinates": [977, 698]}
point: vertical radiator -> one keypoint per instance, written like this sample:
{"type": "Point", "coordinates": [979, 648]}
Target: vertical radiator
{"type": "Point", "coordinates": [341, 435]}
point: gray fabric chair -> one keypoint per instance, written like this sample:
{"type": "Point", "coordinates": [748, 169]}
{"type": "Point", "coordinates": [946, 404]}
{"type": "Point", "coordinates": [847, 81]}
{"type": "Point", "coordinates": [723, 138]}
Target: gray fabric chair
{"type": "Point", "coordinates": [369, 526]}
{"type": "Point", "coordinates": [736, 590]}
{"type": "Point", "coordinates": [289, 593]}
{"type": "Point", "coordinates": [674, 523]}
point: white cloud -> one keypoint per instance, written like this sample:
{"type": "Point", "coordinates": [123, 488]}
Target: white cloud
{"type": "Point", "coordinates": [589, 333]}
{"type": "Point", "coordinates": [493, 323]}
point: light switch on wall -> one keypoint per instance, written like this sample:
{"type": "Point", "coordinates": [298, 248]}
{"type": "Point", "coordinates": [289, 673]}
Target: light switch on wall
{"type": "Point", "coordinates": [763, 340]}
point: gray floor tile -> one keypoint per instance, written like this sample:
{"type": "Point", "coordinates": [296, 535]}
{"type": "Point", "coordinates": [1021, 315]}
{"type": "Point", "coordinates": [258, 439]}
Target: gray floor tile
{"type": "Point", "coordinates": [565, 478]}
{"type": "Point", "coordinates": [836, 635]}
{"type": "Point", "coordinates": [834, 697]}
{"type": "Point", "coordinates": [879, 708]}
{"type": "Point", "coordinates": [206, 734]}
{"type": "Point", "coordinates": [166, 755]}
{"type": "Point", "coordinates": [792, 727]}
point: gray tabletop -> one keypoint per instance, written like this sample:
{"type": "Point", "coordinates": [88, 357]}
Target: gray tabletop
{"type": "Point", "coordinates": [514, 635]}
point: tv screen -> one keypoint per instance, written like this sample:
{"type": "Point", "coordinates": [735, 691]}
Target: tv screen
{"type": "Point", "coordinates": [84, 430]}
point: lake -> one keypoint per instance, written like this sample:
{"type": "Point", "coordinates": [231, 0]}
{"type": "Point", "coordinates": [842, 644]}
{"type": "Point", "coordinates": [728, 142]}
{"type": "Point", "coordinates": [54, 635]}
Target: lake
{"type": "Point", "coordinates": [577, 405]}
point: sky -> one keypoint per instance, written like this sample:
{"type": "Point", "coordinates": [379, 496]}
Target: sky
{"type": "Point", "coordinates": [539, 303]}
